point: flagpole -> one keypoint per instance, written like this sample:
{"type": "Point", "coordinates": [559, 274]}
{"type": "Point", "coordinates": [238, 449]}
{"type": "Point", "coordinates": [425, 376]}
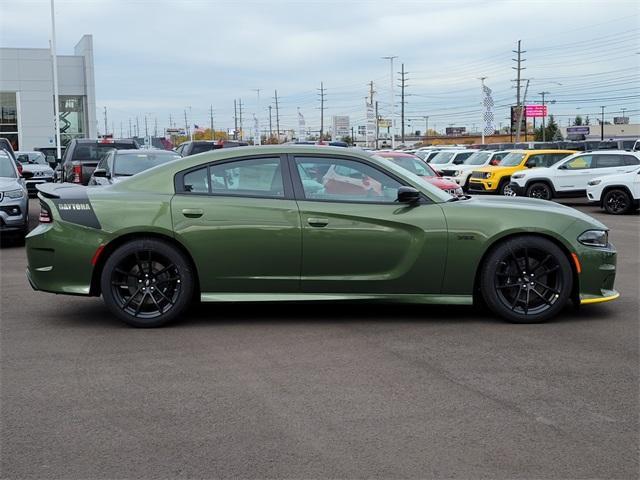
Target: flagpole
{"type": "Point", "coordinates": [56, 106]}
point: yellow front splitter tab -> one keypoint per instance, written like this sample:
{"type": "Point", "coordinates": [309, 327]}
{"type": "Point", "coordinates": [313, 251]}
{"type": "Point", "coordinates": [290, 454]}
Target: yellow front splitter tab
{"type": "Point", "coordinates": [607, 298]}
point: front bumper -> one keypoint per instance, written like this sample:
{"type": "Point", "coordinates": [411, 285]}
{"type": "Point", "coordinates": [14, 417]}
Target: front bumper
{"type": "Point", "coordinates": [10, 221]}
{"type": "Point", "coordinates": [519, 190]}
{"type": "Point", "coordinates": [598, 274]}
{"type": "Point", "coordinates": [479, 186]}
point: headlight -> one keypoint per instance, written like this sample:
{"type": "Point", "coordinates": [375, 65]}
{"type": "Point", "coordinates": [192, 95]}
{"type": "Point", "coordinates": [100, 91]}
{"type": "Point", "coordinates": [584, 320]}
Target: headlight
{"type": "Point", "coordinates": [594, 238]}
{"type": "Point", "coordinates": [591, 183]}
{"type": "Point", "coordinates": [488, 175]}
{"type": "Point", "coordinates": [459, 191]}
{"type": "Point", "coordinates": [14, 194]}
{"type": "Point", "coordinates": [457, 173]}
{"type": "Point", "coordinates": [517, 175]}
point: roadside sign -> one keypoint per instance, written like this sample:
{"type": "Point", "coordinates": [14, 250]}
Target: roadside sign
{"type": "Point", "coordinates": [535, 111]}
{"type": "Point", "coordinates": [578, 130]}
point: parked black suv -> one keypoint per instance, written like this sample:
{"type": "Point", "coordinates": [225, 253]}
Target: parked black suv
{"type": "Point", "coordinates": [198, 146]}
{"type": "Point", "coordinates": [83, 154]}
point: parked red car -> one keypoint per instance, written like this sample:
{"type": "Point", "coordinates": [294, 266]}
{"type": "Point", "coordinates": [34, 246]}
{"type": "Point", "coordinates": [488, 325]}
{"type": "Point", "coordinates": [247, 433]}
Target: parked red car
{"type": "Point", "coordinates": [415, 165]}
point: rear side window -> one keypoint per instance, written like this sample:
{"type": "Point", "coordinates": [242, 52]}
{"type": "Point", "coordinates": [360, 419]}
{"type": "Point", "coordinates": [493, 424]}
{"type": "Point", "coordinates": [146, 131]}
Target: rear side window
{"type": "Point", "coordinates": [260, 177]}
{"type": "Point", "coordinates": [608, 161]}
{"type": "Point", "coordinates": [196, 181]}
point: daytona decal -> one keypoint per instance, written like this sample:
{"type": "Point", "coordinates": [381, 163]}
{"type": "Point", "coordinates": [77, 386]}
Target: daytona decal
{"type": "Point", "coordinates": [78, 211]}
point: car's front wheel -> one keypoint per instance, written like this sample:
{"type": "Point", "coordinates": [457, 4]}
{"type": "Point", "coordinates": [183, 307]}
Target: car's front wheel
{"type": "Point", "coordinates": [540, 190]}
{"type": "Point", "coordinates": [617, 202]}
{"type": "Point", "coordinates": [147, 282]}
{"type": "Point", "coordinates": [526, 279]}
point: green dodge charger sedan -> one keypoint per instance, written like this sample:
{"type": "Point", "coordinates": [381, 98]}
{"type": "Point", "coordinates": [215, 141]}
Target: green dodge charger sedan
{"type": "Point", "coordinates": [283, 223]}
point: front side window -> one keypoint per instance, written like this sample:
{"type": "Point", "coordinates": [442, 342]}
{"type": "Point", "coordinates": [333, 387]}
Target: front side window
{"type": "Point", "coordinates": [7, 169]}
{"type": "Point", "coordinates": [631, 160]}
{"type": "Point", "coordinates": [260, 177]}
{"type": "Point", "coordinates": [478, 158]}
{"type": "Point", "coordinates": [543, 159]}
{"type": "Point", "coordinates": [345, 180]}
{"type": "Point", "coordinates": [579, 163]}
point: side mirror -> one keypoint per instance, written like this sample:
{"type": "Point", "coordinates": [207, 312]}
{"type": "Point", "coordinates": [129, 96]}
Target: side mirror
{"type": "Point", "coordinates": [562, 167]}
{"type": "Point", "coordinates": [100, 172]}
{"type": "Point", "coordinates": [530, 164]}
{"type": "Point", "coordinates": [408, 195]}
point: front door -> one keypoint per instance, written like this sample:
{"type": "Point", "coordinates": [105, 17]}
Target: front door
{"type": "Point", "coordinates": [241, 224]}
{"type": "Point", "coordinates": [575, 173]}
{"type": "Point", "coordinates": [356, 238]}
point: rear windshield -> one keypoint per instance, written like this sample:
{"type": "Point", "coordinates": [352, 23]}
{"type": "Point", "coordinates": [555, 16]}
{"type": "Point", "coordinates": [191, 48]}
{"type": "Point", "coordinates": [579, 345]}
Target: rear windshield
{"type": "Point", "coordinates": [95, 151]}
{"type": "Point", "coordinates": [136, 162]}
{"type": "Point", "coordinates": [7, 170]}
{"type": "Point", "coordinates": [32, 158]}
{"type": "Point", "coordinates": [199, 148]}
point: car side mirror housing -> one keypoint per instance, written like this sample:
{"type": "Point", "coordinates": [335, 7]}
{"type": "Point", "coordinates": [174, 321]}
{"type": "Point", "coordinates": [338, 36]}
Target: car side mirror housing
{"type": "Point", "coordinates": [562, 167]}
{"type": "Point", "coordinates": [100, 172]}
{"type": "Point", "coordinates": [408, 195]}
{"type": "Point", "coordinates": [530, 164]}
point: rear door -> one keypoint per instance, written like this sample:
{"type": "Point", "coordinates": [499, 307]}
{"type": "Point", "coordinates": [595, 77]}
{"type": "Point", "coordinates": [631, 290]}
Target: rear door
{"type": "Point", "coordinates": [240, 222]}
{"type": "Point", "coordinates": [359, 240]}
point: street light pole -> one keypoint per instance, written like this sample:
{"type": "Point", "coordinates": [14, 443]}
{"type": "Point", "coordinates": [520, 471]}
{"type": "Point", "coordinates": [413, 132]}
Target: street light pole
{"type": "Point", "coordinates": [544, 117]}
{"type": "Point", "coordinates": [56, 105]}
{"type": "Point", "coordinates": [258, 140]}
{"type": "Point", "coordinates": [602, 124]}
{"type": "Point", "coordinates": [393, 113]}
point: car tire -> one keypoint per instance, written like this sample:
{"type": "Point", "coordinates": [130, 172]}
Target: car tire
{"type": "Point", "coordinates": [617, 202]}
{"type": "Point", "coordinates": [502, 186]}
{"type": "Point", "coordinates": [147, 283]}
{"type": "Point", "coordinates": [540, 190]}
{"type": "Point", "coordinates": [527, 279]}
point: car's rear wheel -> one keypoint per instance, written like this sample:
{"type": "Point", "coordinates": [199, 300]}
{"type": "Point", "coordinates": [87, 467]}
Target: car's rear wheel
{"type": "Point", "coordinates": [527, 279]}
{"type": "Point", "coordinates": [540, 190]}
{"type": "Point", "coordinates": [617, 202]}
{"type": "Point", "coordinates": [147, 282]}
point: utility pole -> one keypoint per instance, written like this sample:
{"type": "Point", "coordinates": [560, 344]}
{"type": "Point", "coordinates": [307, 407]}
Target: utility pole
{"type": "Point", "coordinates": [240, 110]}
{"type": "Point", "coordinates": [393, 111]}
{"type": "Point", "coordinates": [602, 124]}
{"type": "Point", "coordinates": [277, 116]}
{"type": "Point", "coordinates": [544, 117]}
{"type": "Point", "coordinates": [56, 98]}
{"type": "Point", "coordinates": [170, 121]}
{"type": "Point", "coordinates": [270, 128]}
{"type": "Point", "coordinates": [146, 130]}
{"type": "Point", "coordinates": [371, 92]}
{"type": "Point", "coordinates": [235, 120]}
{"type": "Point", "coordinates": [186, 123]}
{"type": "Point", "coordinates": [321, 94]}
{"type": "Point", "coordinates": [426, 126]}
{"type": "Point", "coordinates": [211, 120]}
{"type": "Point", "coordinates": [521, 113]}
{"type": "Point", "coordinates": [377, 125]}
{"type": "Point", "coordinates": [258, 140]}
{"type": "Point", "coordinates": [105, 122]}
{"type": "Point", "coordinates": [121, 136]}
{"type": "Point", "coordinates": [130, 136]}
{"type": "Point", "coordinates": [402, 102]}
{"type": "Point", "coordinates": [518, 68]}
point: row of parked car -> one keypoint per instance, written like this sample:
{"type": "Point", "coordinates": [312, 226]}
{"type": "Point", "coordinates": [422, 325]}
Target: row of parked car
{"type": "Point", "coordinates": [608, 177]}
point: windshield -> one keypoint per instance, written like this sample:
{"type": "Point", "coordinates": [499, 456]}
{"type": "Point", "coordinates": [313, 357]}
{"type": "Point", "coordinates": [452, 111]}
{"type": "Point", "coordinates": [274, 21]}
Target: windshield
{"type": "Point", "coordinates": [413, 165]}
{"type": "Point", "coordinates": [33, 158]}
{"type": "Point", "coordinates": [132, 163]}
{"type": "Point", "coordinates": [478, 158]}
{"type": "Point", "coordinates": [443, 157]}
{"type": "Point", "coordinates": [7, 169]}
{"type": "Point", "coordinates": [512, 159]}
{"type": "Point", "coordinates": [434, 192]}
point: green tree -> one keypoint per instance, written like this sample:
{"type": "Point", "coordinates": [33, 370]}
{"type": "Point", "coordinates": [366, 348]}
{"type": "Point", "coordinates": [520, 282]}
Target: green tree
{"type": "Point", "coordinates": [578, 120]}
{"type": "Point", "coordinates": [551, 131]}
{"type": "Point", "coordinates": [347, 139]}
{"type": "Point", "coordinates": [587, 121]}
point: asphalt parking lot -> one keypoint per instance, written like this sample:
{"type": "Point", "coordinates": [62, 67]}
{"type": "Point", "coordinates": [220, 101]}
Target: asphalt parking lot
{"type": "Point", "coordinates": [299, 390]}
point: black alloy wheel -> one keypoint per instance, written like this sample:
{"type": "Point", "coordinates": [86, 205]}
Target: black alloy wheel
{"type": "Point", "coordinates": [527, 279]}
{"type": "Point", "coordinates": [147, 283]}
{"type": "Point", "coordinates": [540, 190]}
{"type": "Point", "coordinates": [617, 202]}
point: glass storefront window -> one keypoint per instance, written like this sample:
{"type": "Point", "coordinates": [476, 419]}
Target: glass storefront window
{"type": "Point", "coordinates": [72, 118]}
{"type": "Point", "coordinates": [9, 118]}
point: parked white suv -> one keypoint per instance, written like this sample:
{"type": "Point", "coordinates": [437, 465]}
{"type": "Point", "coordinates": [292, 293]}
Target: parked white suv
{"type": "Point", "coordinates": [450, 158]}
{"type": "Point", "coordinates": [482, 158]}
{"type": "Point", "coordinates": [617, 194]}
{"type": "Point", "coordinates": [570, 177]}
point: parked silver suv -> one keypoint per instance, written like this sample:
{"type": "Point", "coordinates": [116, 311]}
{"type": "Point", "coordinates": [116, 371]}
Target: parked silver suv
{"type": "Point", "coordinates": [35, 170]}
{"type": "Point", "coordinates": [14, 201]}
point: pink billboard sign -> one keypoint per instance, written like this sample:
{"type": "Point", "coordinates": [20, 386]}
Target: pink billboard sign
{"type": "Point", "coordinates": [535, 110]}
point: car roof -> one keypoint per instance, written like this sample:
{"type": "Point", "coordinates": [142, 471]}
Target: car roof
{"type": "Point", "coordinates": [387, 153]}
{"type": "Point", "coordinates": [142, 151]}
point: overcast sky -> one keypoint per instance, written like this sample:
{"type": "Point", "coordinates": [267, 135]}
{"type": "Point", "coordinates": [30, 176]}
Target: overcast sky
{"type": "Point", "coordinates": [158, 57]}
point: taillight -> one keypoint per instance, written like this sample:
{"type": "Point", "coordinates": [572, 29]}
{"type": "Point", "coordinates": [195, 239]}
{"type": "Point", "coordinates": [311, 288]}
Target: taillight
{"type": "Point", "coordinates": [19, 165]}
{"type": "Point", "coordinates": [45, 214]}
{"type": "Point", "coordinates": [77, 174]}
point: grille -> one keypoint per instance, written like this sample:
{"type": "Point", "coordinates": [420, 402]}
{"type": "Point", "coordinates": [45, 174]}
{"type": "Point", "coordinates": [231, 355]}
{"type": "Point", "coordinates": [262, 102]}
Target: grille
{"type": "Point", "coordinates": [477, 175]}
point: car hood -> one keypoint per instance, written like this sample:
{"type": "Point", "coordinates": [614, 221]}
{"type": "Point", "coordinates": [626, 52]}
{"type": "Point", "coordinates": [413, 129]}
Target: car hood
{"type": "Point", "coordinates": [9, 184]}
{"type": "Point", "coordinates": [34, 167]}
{"type": "Point", "coordinates": [441, 183]}
{"type": "Point", "coordinates": [523, 205]}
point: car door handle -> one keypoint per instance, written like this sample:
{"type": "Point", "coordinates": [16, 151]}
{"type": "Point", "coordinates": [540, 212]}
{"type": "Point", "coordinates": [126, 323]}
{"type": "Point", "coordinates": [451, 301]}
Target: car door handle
{"type": "Point", "coordinates": [192, 212]}
{"type": "Point", "coordinates": [317, 222]}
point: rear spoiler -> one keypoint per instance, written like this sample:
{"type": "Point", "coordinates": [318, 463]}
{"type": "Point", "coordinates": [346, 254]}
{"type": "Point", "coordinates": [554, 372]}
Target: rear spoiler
{"type": "Point", "coordinates": [67, 191]}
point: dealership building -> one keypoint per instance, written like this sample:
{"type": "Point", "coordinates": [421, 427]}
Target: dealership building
{"type": "Point", "coordinates": [26, 95]}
